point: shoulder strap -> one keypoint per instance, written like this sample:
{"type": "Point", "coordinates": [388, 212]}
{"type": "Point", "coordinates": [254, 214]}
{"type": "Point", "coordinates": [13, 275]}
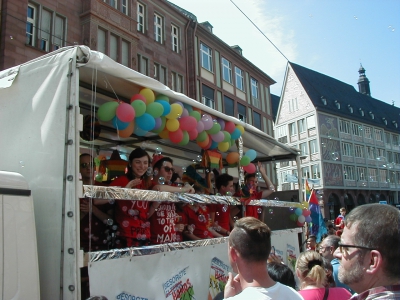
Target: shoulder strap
{"type": "Point", "coordinates": [326, 293]}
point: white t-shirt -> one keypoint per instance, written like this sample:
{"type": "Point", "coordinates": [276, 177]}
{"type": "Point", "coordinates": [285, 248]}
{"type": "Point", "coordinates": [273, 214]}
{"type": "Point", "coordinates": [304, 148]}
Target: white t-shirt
{"type": "Point", "coordinates": [277, 291]}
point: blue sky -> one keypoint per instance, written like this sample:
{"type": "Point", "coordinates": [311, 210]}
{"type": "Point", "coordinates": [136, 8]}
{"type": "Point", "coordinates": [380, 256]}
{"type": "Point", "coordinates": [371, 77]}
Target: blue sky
{"type": "Point", "coordinates": [331, 37]}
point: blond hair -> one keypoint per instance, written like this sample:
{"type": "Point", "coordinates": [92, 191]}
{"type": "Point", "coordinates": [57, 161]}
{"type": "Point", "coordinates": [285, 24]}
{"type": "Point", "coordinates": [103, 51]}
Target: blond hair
{"type": "Point", "coordinates": [310, 266]}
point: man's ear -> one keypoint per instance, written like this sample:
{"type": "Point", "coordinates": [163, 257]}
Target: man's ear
{"type": "Point", "coordinates": [375, 262]}
{"type": "Point", "coordinates": [233, 254]}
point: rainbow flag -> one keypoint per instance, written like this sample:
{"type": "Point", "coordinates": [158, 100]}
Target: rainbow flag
{"type": "Point", "coordinates": [308, 191]}
{"type": "Point", "coordinates": [317, 226]}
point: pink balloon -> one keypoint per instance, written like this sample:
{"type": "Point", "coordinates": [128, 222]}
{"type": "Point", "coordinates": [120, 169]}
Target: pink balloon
{"type": "Point", "coordinates": [229, 126]}
{"type": "Point", "coordinates": [193, 134]}
{"type": "Point", "coordinates": [250, 168]}
{"type": "Point", "coordinates": [188, 123]}
{"type": "Point", "coordinates": [176, 136]}
{"type": "Point", "coordinates": [207, 121]}
{"type": "Point", "coordinates": [125, 112]}
{"type": "Point", "coordinates": [185, 113]}
{"type": "Point", "coordinates": [218, 137]}
{"type": "Point", "coordinates": [200, 126]}
{"type": "Point", "coordinates": [306, 212]}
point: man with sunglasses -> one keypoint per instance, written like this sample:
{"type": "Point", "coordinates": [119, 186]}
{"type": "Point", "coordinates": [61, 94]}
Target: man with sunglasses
{"type": "Point", "coordinates": [369, 252]}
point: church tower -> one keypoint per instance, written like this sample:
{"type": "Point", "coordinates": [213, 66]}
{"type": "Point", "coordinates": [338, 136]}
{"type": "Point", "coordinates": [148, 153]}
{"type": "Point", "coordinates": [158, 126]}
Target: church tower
{"type": "Point", "coordinates": [363, 82]}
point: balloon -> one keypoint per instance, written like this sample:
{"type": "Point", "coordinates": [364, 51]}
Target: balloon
{"type": "Point", "coordinates": [202, 136]}
{"type": "Point", "coordinates": [197, 109]}
{"type": "Point", "coordinates": [244, 161]}
{"type": "Point", "coordinates": [207, 121]}
{"type": "Point", "coordinates": [155, 109]}
{"type": "Point", "coordinates": [218, 137]}
{"type": "Point", "coordinates": [293, 217]}
{"type": "Point", "coordinates": [185, 139]}
{"type": "Point", "coordinates": [250, 168]}
{"type": "Point", "coordinates": [107, 111]}
{"type": "Point", "coordinates": [308, 219]}
{"type": "Point", "coordinates": [235, 134]}
{"type": "Point", "coordinates": [204, 142]}
{"type": "Point", "coordinates": [166, 106]}
{"type": "Point", "coordinates": [138, 97]}
{"type": "Point", "coordinates": [195, 114]}
{"type": "Point", "coordinates": [252, 154]}
{"type": "Point", "coordinates": [185, 113]}
{"type": "Point", "coordinates": [139, 131]}
{"type": "Point", "coordinates": [176, 136]}
{"type": "Point", "coordinates": [301, 219]}
{"type": "Point", "coordinates": [148, 94]}
{"type": "Point", "coordinates": [172, 125]}
{"type": "Point", "coordinates": [298, 211]}
{"type": "Point", "coordinates": [139, 106]}
{"type": "Point", "coordinates": [240, 127]}
{"type": "Point", "coordinates": [176, 111]}
{"type": "Point", "coordinates": [299, 224]}
{"type": "Point", "coordinates": [229, 126]}
{"type": "Point", "coordinates": [125, 112]}
{"type": "Point", "coordinates": [145, 122]}
{"type": "Point", "coordinates": [223, 147]}
{"type": "Point", "coordinates": [200, 126]}
{"type": "Point", "coordinates": [188, 123]}
{"type": "Point", "coordinates": [118, 124]}
{"type": "Point", "coordinates": [159, 128]}
{"type": "Point", "coordinates": [164, 134]}
{"type": "Point", "coordinates": [125, 133]}
{"type": "Point", "coordinates": [188, 107]}
{"type": "Point", "coordinates": [205, 145]}
{"type": "Point", "coordinates": [232, 158]}
{"type": "Point", "coordinates": [306, 212]}
{"type": "Point", "coordinates": [215, 128]}
{"type": "Point", "coordinates": [214, 145]}
{"type": "Point", "coordinates": [227, 136]}
{"type": "Point", "coordinates": [193, 134]}
{"type": "Point", "coordinates": [162, 98]}
{"type": "Point", "coordinates": [221, 123]}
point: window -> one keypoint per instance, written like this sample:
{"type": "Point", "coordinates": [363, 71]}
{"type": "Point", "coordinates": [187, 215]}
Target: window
{"type": "Point", "coordinates": [293, 105]}
{"type": "Point", "coordinates": [254, 93]}
{"type": "Point", "coordinates": [292, 129]}
{"type": "Point", "coordinates": [58, 38]}
{"type": "Point", "coordinates": [241, 112]}
{"type": "Point", "coordinates": [206, 57]}
{"type": "Point", "coordinates": [361, 173]}
{"type": "Point", "coordinates": [143, 65]}
{"type": "Point", "coordinates": [31, 21]}
{"type": "Point", "coordinates": [305, 172]}
{"type": "Point", "coordinates": [176, 82]}
{"type": "Point", "coordinates": [141, 13]}
{"type": "Point", "coordinates": [114, 3]}
{"type": "Point", "coordinates": [303, 148]}
{"type": "Point", "coordinates": [359, 151]}
{"type": "Point", "coordinates": [378, 135]}
{"type": "Point", "coordinates": [208, 96]}
{"type": "Point", "coordinates": [257, 120]}
{"type": "Point", "coordinates": [344, 126]}
{"type": "Point", "coordinates": [372, 175]}
{"type": "Point", "coordinates": [349, 173]}
{"type": "Point", "coordinates": [370, 152]}
{"type": "Point", "coordinates": [302, 125]}
{"type": "Point", "coordinates": [313, 146]}
{"type": "Point", "coordinates": [311, 122]}
{"type": "Point", "coordinates": [175, 38]}
{"type": "Point", "coordinates": [158, 28]}
{"type": "Point", "coordinates": [383, 176]}
{"type": "Point", "coordinates": [347, 149]}
{"type": "Point", "coordinates": [315, 172]}
{"type": "Point", "coordinates": [229, 108]}
{"type": "Point", "coordinates": [395, 140]}
{"type": "Point", "coordinates": [239, 79]}
{"type": "Point", "coordinates": [226, 70]}
{"type": "Point", "coordinates": [281, 134]}
{"type": "Point", "coordinates": [45, 30]}
{"type": "Point", "coordinates": [380, 152]}
{"type": "Point", "coordinates": [125, 53]}
{"type": "Point", "coordinates": [387, 138]}
{"type": "Point", "coordinates": [113, 47]}
{"type": "Point", "coordinates": [160, 73]}
{"type": "Point", "coordinates": [367, 132]}
{"type": "Point", "coordinates": [356, 129]}
{"type": "Point", "coordinates": [124, 6]}
{"type": "Point", "coordinates": [101, 40]}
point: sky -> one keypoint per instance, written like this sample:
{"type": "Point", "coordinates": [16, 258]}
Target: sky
{"type": "Point", "coordinates": [331, 37]}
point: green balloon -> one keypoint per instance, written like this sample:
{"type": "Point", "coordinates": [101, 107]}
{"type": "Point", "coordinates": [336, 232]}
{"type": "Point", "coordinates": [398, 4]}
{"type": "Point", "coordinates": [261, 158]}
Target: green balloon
{"type": "Point", "coordinates": [201, 137]}
{"type": "Point", "coordinates": [162, 97]}
{"type": "Point", "coordinates": [185, 139]}
{"type": "Point", "coordinates": [139, 106]}
{"type": "Point", "coordinates": [215, 129]}
{"type": "Point", "coordinates": [107, 111]}
{"type": "Point", "coordinates": [227, 137]}
{"type": "Point", "coordinates": [195, 114]}
{"type": "Point", "coordinates": [244, 161]}
{"type": "Point", "coordinates": [155, 109]}
{"type": "Point", "coordinates": [293, 217]}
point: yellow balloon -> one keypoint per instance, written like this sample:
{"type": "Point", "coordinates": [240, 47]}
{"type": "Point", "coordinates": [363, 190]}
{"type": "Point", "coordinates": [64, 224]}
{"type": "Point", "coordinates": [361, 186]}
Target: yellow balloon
{"type": "Point", "coordinates": [172, 125]}
{"type": "Point", "coordinates": [148, 94]}
{"type": "Point", "coordinates": [176, 111]}
{"type": "Point", "coordinates": [164, 134]}
{"type": "Point", "coordinates": [223, 146]}
{"type": "Point", "coordinates": [240, 127]}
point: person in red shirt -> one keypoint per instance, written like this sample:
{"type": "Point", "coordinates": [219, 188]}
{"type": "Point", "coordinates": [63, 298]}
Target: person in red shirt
{"type": "Point", "coordinates": [339, 222]}
{"type": "Point", "coordinates": [132, 215]}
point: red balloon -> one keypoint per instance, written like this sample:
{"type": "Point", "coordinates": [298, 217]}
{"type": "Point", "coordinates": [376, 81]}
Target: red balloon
{"type": "Point", "coordinates": [250, 168]}
{"type": "Point", "coordinates": [306, 212]}
{"type": "Point", "coordinates": [125, 112]}
{"type": "Point", "coordinates": [300, 224]}
{"type": "Point", "coordinates": [229, 126]}
{"type": "Point", "coordinates": [193, 134]}
{"type": "Point", "coordinates": [188, 123]}
{"type": "Point", "coordinates": [176, 136]}
{"type": "Point", "coordinates": [138, 97]}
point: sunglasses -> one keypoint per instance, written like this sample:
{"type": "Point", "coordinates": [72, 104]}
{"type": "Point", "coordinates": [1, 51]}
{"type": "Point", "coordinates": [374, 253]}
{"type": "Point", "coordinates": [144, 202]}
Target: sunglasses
{"type": "Point", "coordinates": [168, 169]}
{"type": "Point", "coordinates": [342, 246]}
{"type": "Point", "coordinates": [85, 165]}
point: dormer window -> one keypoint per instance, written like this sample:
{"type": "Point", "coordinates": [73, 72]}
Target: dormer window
{"type": "Point", "coordinates": [337, 104]}
{"type": "Point", "coordinates": [372, 115]}
{"type": "Point", "coordinates": [361, 112]}
{"type": "Point", "coordinates": [395, 123]}
{"type": "Point", "coordinates": [323, 99]}
{"type": "Point", "coordinates": [350, 108]}
{"type": "Point", "coordinates": [384, 120]}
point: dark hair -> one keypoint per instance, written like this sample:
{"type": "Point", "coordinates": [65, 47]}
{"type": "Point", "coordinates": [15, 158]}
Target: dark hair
{"type": "Point", "coordinates": [85, 154]}
{"type": "Point", "coordinates": [378, 227]}
{"type": "Point", "coordinates": [174, 177]}
{"type": "Point", "coordinates": [311, 236]}
{"type": "Point", "coordinates": [138, 153]}
{"type": "Point", "coordinates": [249, 175]}
{"type": "Point", "coordinates": [281, 273]}
{"type": "Point", "coordinates": [161, 161]}
{"type": "Point", "coordinates": [330, 280]}
{"type": "Point", "coordinates": [223, 180]}
{"type": "Point", "coordinates": [252, 239]}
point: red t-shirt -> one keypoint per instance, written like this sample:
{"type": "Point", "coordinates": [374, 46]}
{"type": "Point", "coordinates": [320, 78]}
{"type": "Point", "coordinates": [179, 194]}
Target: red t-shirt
{"type": "Point", "coordinates": [222, 215]}
{"type": "Point", "coordinates": [162, 224]}
{"type": "Point", "coordinates": [180, 218]}
{"type": "Point", "coordinates": [200, 219]}
{"type": "Point", "coordinates": [253, 210]}
{"type": "Point", "coordinates": [131, 215]}
{"type": "Point", "coordinates": [339, 220]}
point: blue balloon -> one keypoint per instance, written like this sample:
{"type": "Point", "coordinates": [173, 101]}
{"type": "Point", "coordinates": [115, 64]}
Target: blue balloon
{"type": "Point", "coordinates": [118, 124]}
{"type": "Point", "coordinates": [252, 154]}
{"type": "Point", "coordinates": [139, 132]}
{"type": "Point", "coordinates": [145, 122]}
{"type": "Point", "coordinates": [235, 134]}
{"type": "Point", "coordinates": [166, 105]}
{"type": "Point", "coordinates": [214, 145]}
{"type": "Point", "coordinates": [298, 211]}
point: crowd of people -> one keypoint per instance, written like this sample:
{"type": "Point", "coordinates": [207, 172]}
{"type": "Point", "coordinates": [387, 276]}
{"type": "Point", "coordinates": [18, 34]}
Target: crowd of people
{"type": "Point", "coordinates": [135, 223]}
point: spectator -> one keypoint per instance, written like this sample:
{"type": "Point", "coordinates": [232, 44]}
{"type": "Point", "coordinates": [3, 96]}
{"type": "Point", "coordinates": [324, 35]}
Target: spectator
{"type": "Point", "coordinates": [369, 252]}
{"type": "Point", "coordinates": [331, 230]}
{"type": "Point", "coordinates": [339, 222]}
{"type": "Point", "coordinates": [248, 250]}
{"type": "Point", "coordinates": [311, 242]}
{"type": "Point", "coordinates": [280, 272]}
{"type": "Point", "coordinates": [313, 280]}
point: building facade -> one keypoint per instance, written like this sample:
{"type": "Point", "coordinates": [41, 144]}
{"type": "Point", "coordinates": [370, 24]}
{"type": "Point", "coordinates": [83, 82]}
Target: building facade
{"type": "Point", "coordinates": [348, 140]}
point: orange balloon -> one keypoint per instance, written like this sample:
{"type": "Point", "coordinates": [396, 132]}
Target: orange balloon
{"type": "Point", "coordinates": [197, 109]}
{"type": "Point", "coordinates": [125, 133]}
{"type": "Point", "coordinates": [232, 158]}
{"type": "Point", "coordinates": [164, 134]}
{"type": "Point", "coordinates": [204, 143]}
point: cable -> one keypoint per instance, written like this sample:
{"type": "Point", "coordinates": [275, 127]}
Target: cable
{"type": "Point", "coordinates": [259, 30]}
